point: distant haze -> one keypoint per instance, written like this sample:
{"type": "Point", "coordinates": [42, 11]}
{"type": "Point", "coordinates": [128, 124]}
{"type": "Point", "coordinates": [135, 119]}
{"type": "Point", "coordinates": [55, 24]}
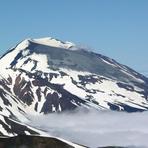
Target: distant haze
{"type": "Point", "coordinates": [97, 128]}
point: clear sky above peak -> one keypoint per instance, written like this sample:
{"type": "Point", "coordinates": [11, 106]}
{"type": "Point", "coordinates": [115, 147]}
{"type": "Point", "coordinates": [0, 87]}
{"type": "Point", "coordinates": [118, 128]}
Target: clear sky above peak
{"type": "Point", "coordinates": [115, 28]}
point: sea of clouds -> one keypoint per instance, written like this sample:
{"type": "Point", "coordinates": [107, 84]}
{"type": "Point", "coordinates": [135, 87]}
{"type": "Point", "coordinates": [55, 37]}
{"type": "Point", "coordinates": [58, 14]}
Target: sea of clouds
{"type": "Point", "coordinates": [96, 128]}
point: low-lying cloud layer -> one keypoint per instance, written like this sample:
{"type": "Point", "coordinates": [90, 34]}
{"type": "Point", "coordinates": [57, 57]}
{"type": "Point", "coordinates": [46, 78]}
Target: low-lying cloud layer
{"type": "Point", "coordinates": [95, 128]}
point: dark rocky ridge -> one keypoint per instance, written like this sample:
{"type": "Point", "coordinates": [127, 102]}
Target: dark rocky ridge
{"type": "Point", "coordinates": [24, 141]}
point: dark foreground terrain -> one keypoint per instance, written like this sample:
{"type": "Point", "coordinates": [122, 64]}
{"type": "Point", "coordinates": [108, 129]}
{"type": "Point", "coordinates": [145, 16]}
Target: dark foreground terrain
{"type": "Point", "coordinates": [24, 141]}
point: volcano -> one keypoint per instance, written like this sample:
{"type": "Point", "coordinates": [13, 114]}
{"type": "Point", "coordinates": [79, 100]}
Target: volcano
{"type": "Point", "coordinates": [42, 76]}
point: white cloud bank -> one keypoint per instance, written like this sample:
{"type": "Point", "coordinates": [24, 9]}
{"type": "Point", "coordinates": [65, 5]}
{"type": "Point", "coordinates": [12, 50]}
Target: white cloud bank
{"type": "Point", "coordinates": [95, 128]}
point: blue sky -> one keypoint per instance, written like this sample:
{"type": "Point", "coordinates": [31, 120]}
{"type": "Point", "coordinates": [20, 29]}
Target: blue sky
{"type": "Point", "coordinates": [116, 28]}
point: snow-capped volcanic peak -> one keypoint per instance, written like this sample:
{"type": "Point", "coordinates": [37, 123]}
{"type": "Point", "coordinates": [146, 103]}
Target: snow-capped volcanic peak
{"type": "Point", "coordinates": [53, 42]}
{"type": "Point", "coordinates": [41, 76]}
{"type": "Point", "coordinates": [48, 75]}
{"type": "Point", "coordinates": [25, 48]}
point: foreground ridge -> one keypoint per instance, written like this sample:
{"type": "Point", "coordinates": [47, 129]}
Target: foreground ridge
{"type": "Point", "coordinates": [35, 142]}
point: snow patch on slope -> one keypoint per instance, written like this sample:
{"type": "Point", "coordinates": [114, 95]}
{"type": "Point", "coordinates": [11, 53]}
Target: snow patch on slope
{"type": "Point", "coordinates": [10, 56]}
{"type": "Point", "coordinates": [53, 42]}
